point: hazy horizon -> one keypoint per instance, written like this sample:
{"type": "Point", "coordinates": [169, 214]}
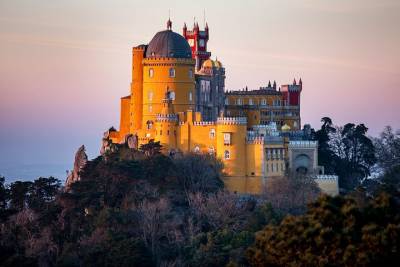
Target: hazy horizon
{"type": "Point", "coordinates": [65, 64]}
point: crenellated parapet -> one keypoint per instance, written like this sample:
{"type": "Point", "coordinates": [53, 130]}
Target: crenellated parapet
{"type": "Point", "coordinates": [303, 144]}
{"type": "Point", "coordinates": [327, 177]}
{"type": "Point", "coordinates": [203, 123]}
{"type": "Point", "coordinates": [166, 117]}
{"type": "Point", "coordinates": [232, 120]}
{"type": "Point", "coordinates": [255, 140]}
{"type": "Point", "coordinates": [167, 61]}
{"type": "Point", "coordinates": [329, 184]}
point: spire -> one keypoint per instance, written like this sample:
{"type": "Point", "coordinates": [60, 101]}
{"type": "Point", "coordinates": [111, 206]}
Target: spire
{"type": "Point", "coordinates": [269, 83]}
{"type": "Point", "coordinates": [206, 26]}
{"type": "Point", "coordinates": [274, 85]}
{"type": "Point", "coordinates": [184, 29]}
{"type": "Point", "coordinates": [294, 81]}
{"type": "Point", "coordinates": [300, 82]}
{"type": "Point", "coordinates": [169, 24]}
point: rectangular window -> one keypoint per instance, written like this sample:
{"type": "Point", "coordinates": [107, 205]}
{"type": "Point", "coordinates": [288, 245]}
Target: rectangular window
{"type": "Point", "coordinates": [227, 138]}
{"type": "Point", "coordinates": [150, 96]}
{"type": "Point", "coordinates": [171, 72]}
{"type": "Point", "coordinates": [212, 133]}
{"type": "Point", "coordinates": [190, 96]}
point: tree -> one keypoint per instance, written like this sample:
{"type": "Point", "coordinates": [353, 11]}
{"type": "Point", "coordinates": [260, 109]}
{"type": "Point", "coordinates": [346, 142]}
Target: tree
{"type": "Point", "coordinates": [42, 192]}
{"type": "Point", "coordinates": [387, 148]}
{"type": "Point", "coordinates": [152, 216]}
{"type": "Point", "coordinates": [3, 195]}
{"type": "Point", "coordinates": [335, 231]}
{"type": "Point", "coordinates": [151, 148]}
{"type": "Point", "coordinates": [292, 193]}
{"type": "Point", "coordinates": [355, 154]}
{"type": "Point", "coordinates": [19, 194]}
{"type": "Point", "coordinates": [198, 173]}
{"type": "Point", "coordinates": [325, 153]}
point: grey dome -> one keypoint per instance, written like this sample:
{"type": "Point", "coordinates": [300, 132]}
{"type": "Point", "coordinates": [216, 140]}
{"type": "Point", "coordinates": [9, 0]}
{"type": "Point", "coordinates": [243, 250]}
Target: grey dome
{"type": "Point", "coordinates": [168, 44]}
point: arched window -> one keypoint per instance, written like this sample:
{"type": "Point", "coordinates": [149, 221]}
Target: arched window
{"type": "Point", "coordinates": [190, 96]}
{"type": "Point", "coordinates": [171, 72]}
{"type": "Point", "coordinates": [250, 101]}
{"type": "Point", "coordinates": [151, 73]}
{"type": "Point", "coordinates": [150, 96]}
{"type": "Point", "coordinates": [211, 150]}
{"type": "Point", "coordinates": [196, 149]}
{"type": "Point", "coordinates": [171, 95]}
{"type": "Point", "coordinates": [227, 154]}
{"type": "Point", "coordinates": [149, 125]}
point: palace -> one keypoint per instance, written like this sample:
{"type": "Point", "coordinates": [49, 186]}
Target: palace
{"type": "Point", "coordinates": [178, 98]}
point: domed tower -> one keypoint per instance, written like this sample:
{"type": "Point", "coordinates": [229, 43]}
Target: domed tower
{"type": "Point", "coordinates": [168, 70]}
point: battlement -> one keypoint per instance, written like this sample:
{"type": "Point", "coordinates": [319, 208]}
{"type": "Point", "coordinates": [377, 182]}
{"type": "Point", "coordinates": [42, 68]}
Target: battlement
{"type": "Point", "coordinates": [327, 177]}
{"type": "Point", "coordinates": [303, 144]}
{"type": "Point", "coordinates": [166, 61]}
{"type": "Point", "coordinates": [255, 140]}
{"type": "Point", "coordinates": [167, 117]}
{"type": "Point", "coordinates": [232, 120]}
{"type": "Point", "coordinates": [203, 123]}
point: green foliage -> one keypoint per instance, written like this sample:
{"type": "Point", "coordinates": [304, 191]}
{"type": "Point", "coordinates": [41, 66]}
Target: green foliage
{"type": "Point", "coordinates": [335, 231]}
{"type": "Point", "coordinates": [219, 247]}
{"type": "Point", "coordinates": [387, 148]}
{"type": "Point", "coordinates": [152, 148]}
{"type": "Point", "coordinates": [345, 151]}
{"type": "Point", "coordinates": [142, 208]}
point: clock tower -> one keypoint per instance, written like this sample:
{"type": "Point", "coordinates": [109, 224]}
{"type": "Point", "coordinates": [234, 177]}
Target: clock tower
{"type": "Point", "coordinates": [197, 40]}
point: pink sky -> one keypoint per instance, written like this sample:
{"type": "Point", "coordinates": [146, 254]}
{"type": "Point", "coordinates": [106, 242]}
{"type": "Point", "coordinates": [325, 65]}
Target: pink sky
{"type": "Point", "coordinates": [65, 64]}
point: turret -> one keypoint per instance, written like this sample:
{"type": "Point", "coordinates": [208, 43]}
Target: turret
{"type": "Point", "coordinates": [137, 87]}
{"type": "Point", "coordinates": [197, 40]}
{"type": "Point", "coordinates": [184, 30]}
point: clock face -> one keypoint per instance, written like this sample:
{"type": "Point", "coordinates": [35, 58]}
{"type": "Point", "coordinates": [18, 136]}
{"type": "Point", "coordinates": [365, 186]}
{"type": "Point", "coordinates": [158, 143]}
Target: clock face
{"type": "Point", "coordinates": [191, 42]}
{"type": "Point", "coordinates": [201, 43]}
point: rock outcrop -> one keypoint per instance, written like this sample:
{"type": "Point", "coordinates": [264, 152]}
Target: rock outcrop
{"type": "Point", "coordinates": [80, 162]}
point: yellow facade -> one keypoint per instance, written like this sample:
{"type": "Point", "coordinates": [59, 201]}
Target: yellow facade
{"type": "Point", "coordinates": [263, 108]}
{"type": "Point", "coordinates": [161, 107]}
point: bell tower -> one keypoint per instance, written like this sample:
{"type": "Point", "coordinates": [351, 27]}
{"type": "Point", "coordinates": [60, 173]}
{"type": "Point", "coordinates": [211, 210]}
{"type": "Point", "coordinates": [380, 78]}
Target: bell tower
{"type": "Point", "coordinates": [197, 40]}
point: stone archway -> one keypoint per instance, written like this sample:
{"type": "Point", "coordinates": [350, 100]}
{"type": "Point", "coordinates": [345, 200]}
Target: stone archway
{"type": "Point", "coordinates": [302, 164]}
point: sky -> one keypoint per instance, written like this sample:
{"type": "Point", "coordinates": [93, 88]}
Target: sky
{"type": "Point", "coordinates": [65, 64]}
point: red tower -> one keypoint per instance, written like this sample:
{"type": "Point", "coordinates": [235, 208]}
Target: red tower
{"type": "Point", "coordinates": [197, 40]}
{"type": "Point", "coordinates": [291, 93]}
